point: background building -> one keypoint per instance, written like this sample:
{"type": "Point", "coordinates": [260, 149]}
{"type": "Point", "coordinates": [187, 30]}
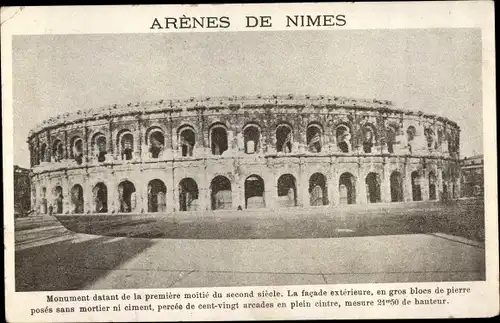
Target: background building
{"type": "Point", "coordinates": [472, 176]}
{"type": "Point", "coordinates": [22, 195]}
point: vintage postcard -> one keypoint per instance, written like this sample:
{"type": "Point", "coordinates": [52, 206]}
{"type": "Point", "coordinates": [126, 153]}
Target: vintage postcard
{"type": "Point", "coordinates": [250, 162]}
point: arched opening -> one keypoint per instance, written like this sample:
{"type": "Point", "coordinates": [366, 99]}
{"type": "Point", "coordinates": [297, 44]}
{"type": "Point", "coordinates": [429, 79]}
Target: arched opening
{"type": "Point", "coordinates": [313, 137]}
{"type": "Point", "coordinates": [186, 141]}
{"type": "Point", "coordinates": [43, 201]}
{"type": "Point", "coordinates": [220, 193]}
{"type": "Point", "coordinates": [77, 198]}
{"type": "Point", "coordinates": [77, 150]}
{"type": "Point", "coordinates": [373, 188]}
{"type": "Point", "coordinates": [126, 145]}
{"type": "Point", "coordinates": [156, 143]}
{"type": "Point", "coordinates": [218, 140]}
{"type": "Point", "coordinates": [368, 139]}
{"type": "Point", "coordinates": [343, 136]}
{"type": "Point", "coordinates": [284, 138]}
{"type": "Point", "coordinates": [188, 195]}
{"type": "Point", "coordinates": [318, 190]}
{"type": "Point", "coordinates": [287, 191]}
{"type": "Point", "coordinates": [396, 187]}
{"type": "Point", "coordinates": [432, 186]}
{"type": "Point", "coordinates": [410, 135]}
{"type": "Point", "coordinates": [157, 196]}
{"type": "Point", "coordinates": [58, 200]}
{"type": "Point", "coordinates": [57, 150]}
{"type": "Point", "coordinates": [251, 134]}
{"type": "Point", "coordinates": [347, 189]}
{"type": "Point", "coordinates": [254, 192]}
{"type": "Point", "coordinates": [43, 152]}
{"type": "Point", "coordinates": [99, 149]}
{"type": "Point", "coordinates": [390, 137]}
{"type": "Point", "coordinates": [100, 198]}
{"type": "Point", "coordinates": [416, 186]}
{"type": "Point", "coordinates": [126, 196]}
{"type": "Point", "coordinates": [431, 138]}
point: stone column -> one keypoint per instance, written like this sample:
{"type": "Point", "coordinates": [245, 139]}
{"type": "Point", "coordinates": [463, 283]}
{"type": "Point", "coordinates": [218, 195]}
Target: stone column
{"type": "Point", "coordinates": [49, 147]}
{"type": "Point", "coordinates": [360, 187]}
{"type": "Point", "coordinates": [86, 145]}
{"type": "Point", "coordinates": [109, 142]}
{"type": "Point", "coordinates": [66, 145]}
{"type": "Point", "coordinates": [271, 190]}
{"type": "Point", "coordinates": [170, 198]}
{"type": "Point", "coordinates": [66, 192]}
{"type": "Point", "coordinates": [113, 198]}
{"type": "Point", "coordinates": [302, 186]}
{"type": "Point", "coordinates": [407, 189]}
{"type": "Point", "coordinates": [386, 184]}
{"type": "Point", "coordinates": [335, 184]}
{"type": "Point", "coordinates": [439, 185]}
{"type": "Point", "coordinates": [424, 185]}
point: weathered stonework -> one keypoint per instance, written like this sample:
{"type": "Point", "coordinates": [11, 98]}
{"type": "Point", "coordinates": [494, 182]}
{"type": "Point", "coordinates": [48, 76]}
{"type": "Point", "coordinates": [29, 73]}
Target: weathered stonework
{"type": "Point", "coordinates": [238, 152]}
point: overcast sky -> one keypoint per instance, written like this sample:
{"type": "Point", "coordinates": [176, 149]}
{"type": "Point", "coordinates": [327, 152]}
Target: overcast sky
{"type": "Point", "coordinates": [433, 70]}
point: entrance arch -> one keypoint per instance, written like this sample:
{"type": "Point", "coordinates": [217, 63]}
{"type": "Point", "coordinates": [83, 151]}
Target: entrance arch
{"type": "Point", "coordinates": [396, 187]}
{"type": "Point", "coordinates": [287, 191]}
{"type": "Point", "coordinates": [157, 196]}
{"type": "Point", "coordinates": [220, 193]}
{"type": "Point", "coordinates": [77, 198]}
{"type": "Point", "coordinates": [254, 192]}
{"type": "Point", "coordinates": [100, 197]}
{"type": "Point", "coordinates": [347, 188]}
{"type": "Point", "coordinates": [416, 190]}
{"type": "Point", "coordinates": [187, 140]}
{"type": "Point", "coordinates": [373, 187]}
{"type": "Point", "coordinates": [126, 196]}
{"type": "Point", "coordinates": [43, 198]}
{"type": "Point", "coordinates": [188, 195]}
{"type": "Point", "coordinates": [58, 200]}
{"type": "Point", "coordinates": [318, 191]}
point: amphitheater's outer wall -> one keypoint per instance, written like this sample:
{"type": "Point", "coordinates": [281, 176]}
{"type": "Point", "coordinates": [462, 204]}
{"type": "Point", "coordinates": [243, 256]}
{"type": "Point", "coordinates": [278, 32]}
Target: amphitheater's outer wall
{"type": "Point", "coordinates": [432, 148]}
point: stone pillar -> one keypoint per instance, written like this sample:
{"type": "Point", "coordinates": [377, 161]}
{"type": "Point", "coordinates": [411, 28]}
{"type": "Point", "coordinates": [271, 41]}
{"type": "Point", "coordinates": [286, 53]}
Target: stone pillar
{"type": "Point", "coordinates": [407, 189]}
{"type": "Point", "coordinates": [238, 193]}
{"type": "Point", "coordinates": [360, 187]}
{"type": "Point", "coordinates": [302, 186]}
{"type": "Point", "coordinates": [204, 201]}
{"type": "Point", "coordinates": [113, 198]}
{"type": "Point", "coordinates": [424, 185]}
{"type": "Point", "coordinates": [170, 198]}
{"type": "Point", "coordinates": [66, 145]}
{"type": "Point", "coordinates": [385, 188]}
{"type": "Point", "coordinates": [49, 147]}
{"type": "Point", "coordinates": [335, 184]}
{"type": "Point", "coordinates": [86, 145]}
{"type": "Point", "coordinates": [109, 142]}
{"type": "Point", "coordinates": [271, 190]}
{"type": "Point", "coordinates": [66, 192]}
{"type": "Point", "coordinates": [87, 196]}
{"type": "Point", "coordinates": [439, 185]}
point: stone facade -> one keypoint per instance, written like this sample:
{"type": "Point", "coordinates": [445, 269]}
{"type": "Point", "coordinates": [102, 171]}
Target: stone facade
{"type": "Point", "coordinates": [240, 152]}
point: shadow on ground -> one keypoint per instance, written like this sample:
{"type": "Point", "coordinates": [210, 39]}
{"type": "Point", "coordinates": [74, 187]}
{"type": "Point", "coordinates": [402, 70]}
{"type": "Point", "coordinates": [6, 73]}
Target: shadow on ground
{"type": "Point", "coordinates": [463, 218]}
{"type": "Point", "coordinates": [72, 264]}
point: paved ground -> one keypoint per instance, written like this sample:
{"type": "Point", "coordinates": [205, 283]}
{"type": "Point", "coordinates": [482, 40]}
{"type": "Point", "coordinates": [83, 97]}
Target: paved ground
{"type": "Point", "coordinates": [49, 257]}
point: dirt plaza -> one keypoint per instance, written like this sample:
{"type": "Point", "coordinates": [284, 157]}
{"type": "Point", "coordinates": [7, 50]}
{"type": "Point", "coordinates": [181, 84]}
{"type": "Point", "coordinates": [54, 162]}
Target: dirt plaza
{"type": "Point", "coordinates": [51, 257]}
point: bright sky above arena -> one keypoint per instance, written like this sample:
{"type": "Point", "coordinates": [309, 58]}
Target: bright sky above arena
{"type": "Point", "coordinates": [436, 71]}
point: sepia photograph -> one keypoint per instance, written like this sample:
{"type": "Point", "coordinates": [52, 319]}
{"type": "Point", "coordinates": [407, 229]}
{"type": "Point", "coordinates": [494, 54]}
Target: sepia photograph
{"type": "Point", "coordinates": [168, 160]}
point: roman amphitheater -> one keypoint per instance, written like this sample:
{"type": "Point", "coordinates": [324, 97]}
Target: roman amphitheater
{"type": "Point", "coordinates": [234, 153]}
